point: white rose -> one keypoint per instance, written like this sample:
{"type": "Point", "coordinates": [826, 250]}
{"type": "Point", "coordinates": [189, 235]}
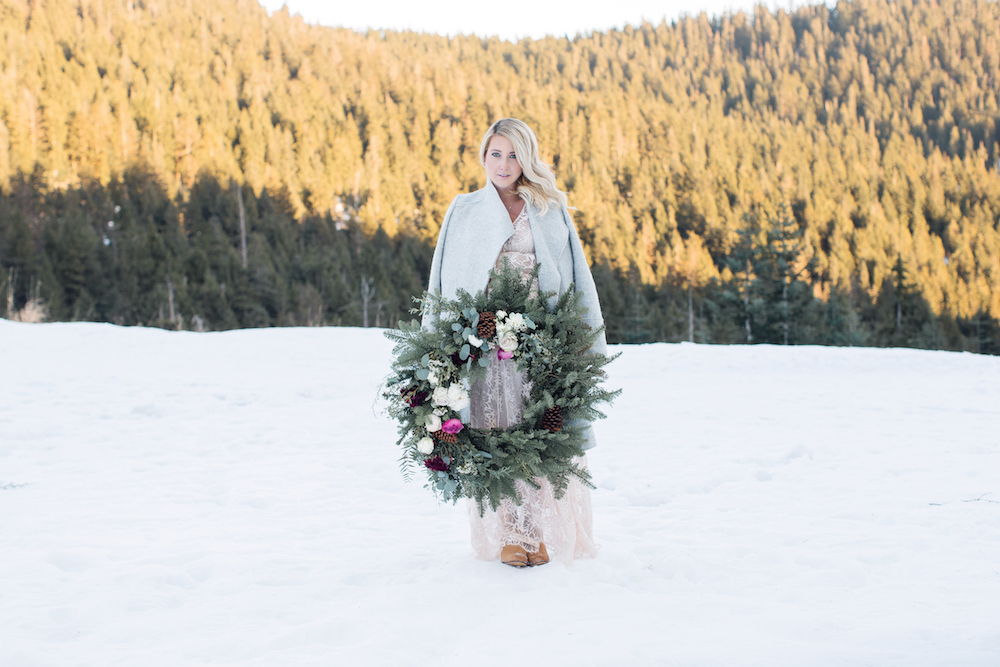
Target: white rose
{"type": "Point", "coordinates": [440, 396]}
{"type": "Point", "coordinates": [425, 445]}
{"type": "Point", "coordinates": [508, 343]}
{"type": "Point", "coordinates": [474, 342]}
{"type": "Point", "coordinates": [501, 314]}
{"type": "Point", "coordinates": [458, 398]}
{"type": "Point", "coordinates": [432, 423]}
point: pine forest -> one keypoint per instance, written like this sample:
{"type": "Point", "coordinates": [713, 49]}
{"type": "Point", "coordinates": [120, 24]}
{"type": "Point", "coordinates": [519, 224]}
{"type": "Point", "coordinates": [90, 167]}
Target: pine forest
{"type": "Point", "coordinates": [817, 175]}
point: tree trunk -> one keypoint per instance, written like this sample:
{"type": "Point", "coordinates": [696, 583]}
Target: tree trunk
{"type": "Point", "coordinates": [367, 294]}
{"type": "Point", "coordinates": [746, 305]}
{"type": "Point", "coordinates": [690, 312]}
{"type": "Point", "coordinates": [11, 277]}
{"type": "Point", "coordinates": [170, 300]}
{"type": "Point", "coordinates": [243, 225]}
{"type": "Point", "coordinates": [784, 307]}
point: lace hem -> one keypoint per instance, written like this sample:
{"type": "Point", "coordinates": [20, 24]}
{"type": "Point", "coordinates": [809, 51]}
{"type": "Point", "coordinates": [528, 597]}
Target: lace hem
{"type": "Point", "coordinates": [564, 525]}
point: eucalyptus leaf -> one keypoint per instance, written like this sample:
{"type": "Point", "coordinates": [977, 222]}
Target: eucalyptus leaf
{"type": "Point", "coordinates": [463, 354]}
{"type": "Point", "coordinates": [456, 327]}
{"type": "Point", "coordinates": [422, 373]}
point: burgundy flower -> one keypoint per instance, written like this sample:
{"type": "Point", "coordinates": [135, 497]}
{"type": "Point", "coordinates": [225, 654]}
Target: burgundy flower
{"type": "Point", "coordinates": [456, 357]}
{"type": "Point", "coordinates": [436, 463]}
{"type": "Point", "coordinates": [417, 398]}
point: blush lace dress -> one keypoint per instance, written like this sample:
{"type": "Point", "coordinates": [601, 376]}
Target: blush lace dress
{"type": "Point", "coordinates": [564, 525]}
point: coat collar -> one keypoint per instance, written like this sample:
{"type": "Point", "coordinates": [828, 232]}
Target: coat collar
{"type": "Point", "coordinates": [549, 236]}
{"type": "Point", "coordinates": [497, 213]}
{"type": "Point", "coordinates": [493, 228]}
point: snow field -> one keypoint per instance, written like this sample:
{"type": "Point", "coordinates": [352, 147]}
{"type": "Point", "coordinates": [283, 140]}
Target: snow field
{"type": "Point", "coordinates": [234, 498]}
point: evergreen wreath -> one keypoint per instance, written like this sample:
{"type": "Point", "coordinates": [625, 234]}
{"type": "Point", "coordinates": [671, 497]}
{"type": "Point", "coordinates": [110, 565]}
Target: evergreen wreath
{"type": "Point", "coordinates": [433, 370]}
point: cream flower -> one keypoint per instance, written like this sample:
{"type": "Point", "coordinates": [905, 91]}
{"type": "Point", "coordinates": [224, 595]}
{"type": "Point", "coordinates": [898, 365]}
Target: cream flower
{"type": "Point", "coordinates": [440, 396]}
{"type": "Point", "coordinates": [458, 398]}
{"type": "Point", "coordinates": [516, 321]}
{"type": "Point", "coordinates": [475, 342]}
{"type": "Point", "coordinates": [432, 423]}
{"type": "Point", "coordinates": [432, 379]}
{"type": "Point", "coordinates": [508, 343]}
{"type": "Point", "coordinates": [425, 445]}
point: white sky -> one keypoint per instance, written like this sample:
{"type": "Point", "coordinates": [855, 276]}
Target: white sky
{"type": "Point", "coordinates": [509, 20]}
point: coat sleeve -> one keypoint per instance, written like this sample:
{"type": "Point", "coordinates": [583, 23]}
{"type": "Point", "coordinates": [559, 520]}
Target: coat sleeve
{"type": "Point", "coordinates": [584, 280]}
{"type": "Point", "coordinates": [434, 283]}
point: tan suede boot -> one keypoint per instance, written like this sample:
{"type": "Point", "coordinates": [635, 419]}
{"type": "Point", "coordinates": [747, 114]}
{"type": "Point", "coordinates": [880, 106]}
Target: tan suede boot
{"type": "Point", "coordinates": [540, 557]}
{"type": "Point", "coordinates": [514, 556]}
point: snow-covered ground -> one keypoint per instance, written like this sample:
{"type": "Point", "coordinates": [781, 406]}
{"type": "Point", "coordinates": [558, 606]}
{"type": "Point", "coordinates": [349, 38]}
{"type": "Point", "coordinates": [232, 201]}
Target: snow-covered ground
{"type": "Point", "coordinates": [234, 498]}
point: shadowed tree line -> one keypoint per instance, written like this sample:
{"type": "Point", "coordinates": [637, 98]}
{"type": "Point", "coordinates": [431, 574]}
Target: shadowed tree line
{"type": "Point", "coordinates": [716, 312]}
{"type": "Point", "coordinates": [767, 299]}
{"type": "Point", "coordinates": [129, 254]}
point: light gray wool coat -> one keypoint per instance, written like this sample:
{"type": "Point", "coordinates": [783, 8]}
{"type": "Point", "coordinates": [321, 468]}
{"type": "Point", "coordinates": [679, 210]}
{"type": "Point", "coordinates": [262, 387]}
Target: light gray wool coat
{"type": "Point", "coordinates": [472, 235]}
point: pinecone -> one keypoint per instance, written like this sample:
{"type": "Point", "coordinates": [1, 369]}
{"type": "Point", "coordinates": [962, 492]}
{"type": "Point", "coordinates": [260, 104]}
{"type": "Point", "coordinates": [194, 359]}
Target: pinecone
{"type": "Point", "coordinates": [552, 419]}
{"type": "Point", "coordinates": [450, 438]}
{"type": "Point", "coordinates": [487, 325]}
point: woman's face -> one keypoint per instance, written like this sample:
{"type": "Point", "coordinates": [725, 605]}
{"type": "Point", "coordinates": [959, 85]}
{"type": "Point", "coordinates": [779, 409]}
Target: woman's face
{"type": "Point", "coordinates": [501, 163]}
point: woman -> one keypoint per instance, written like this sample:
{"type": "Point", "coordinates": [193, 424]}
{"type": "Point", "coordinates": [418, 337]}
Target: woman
{"type": "Point", "coordinates": [520, 217]}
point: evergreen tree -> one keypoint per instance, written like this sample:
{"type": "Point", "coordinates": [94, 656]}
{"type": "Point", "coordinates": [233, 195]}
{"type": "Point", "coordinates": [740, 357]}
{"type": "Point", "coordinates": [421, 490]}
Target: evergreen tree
{"type": "Point", "coordinates": [743, 261]}
{"type": "Point", "coordinates": [785, 300]}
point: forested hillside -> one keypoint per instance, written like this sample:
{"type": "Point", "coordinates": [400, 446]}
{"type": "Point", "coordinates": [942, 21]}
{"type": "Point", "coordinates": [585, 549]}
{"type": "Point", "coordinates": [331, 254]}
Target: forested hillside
{"type": "Point", "coordinates": [819, 175]}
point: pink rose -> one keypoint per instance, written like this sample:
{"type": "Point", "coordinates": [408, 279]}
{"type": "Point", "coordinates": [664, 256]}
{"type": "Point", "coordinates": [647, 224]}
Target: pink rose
{"type": "Point", "coordinates": [503, 354]}
{"type": "Point", "coordinates": [452, 426]}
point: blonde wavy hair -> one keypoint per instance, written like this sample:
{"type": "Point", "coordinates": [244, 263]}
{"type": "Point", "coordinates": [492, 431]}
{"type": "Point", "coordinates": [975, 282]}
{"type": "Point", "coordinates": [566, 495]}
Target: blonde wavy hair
{"type": "Point", "coordinates": [537, 184]}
